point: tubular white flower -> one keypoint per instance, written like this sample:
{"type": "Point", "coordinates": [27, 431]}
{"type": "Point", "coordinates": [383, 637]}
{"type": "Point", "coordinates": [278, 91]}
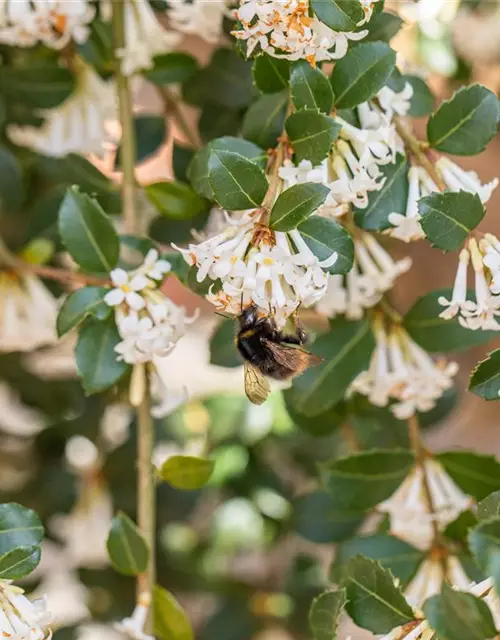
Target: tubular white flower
{"type": "Point", "coordinates": [457, 179]}
{"type": "Point", "coordinates": [198, 18]}
{"type": "Point", "coordinates": [430, 576]}
{"type": "Point", "coordinates": [368, 7]}
{"type": "Point", "coordinates": [16, 418]}
{"type": "Point", "coordinates": [286, 30]}
{"type": "Point", "coordinates": [407, 227]}
{"type": "Point", "coordinates": [52, 22]}
{"type": "Point", "coordinates": [490, 248]}
{"type": "Point", "coordinates": [408, 508]}
{"type": "Point", "coordinates": [458, 300]}
{"type": "Point", "coordinates": [133, 627]}
{"type": "Point", "coordinates": [28, 313]}
{"type": "Point", "coordinates": [21, 619]}
{"type": "Point", "coordinates": [95, 631]}
{"type": "Point", "coordinates": [395, 103]}
{"type": "Point", "coordinates": [75, 126]}
{"type": "Point", "coordinates": [403, 372]}
{"type": "Point", "coordinates": [66, 597]}
{"type": "Point", "coordinates": [145, 38]}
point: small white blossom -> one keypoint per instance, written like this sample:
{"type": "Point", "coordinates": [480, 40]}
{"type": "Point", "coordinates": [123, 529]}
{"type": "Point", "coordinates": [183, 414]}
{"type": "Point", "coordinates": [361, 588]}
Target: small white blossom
{"type": "Point", "coordinates": [126, 290]}
{"type": "Point", "coordinates": [407, 226]}
{"type": "Point", "coordinates": [21, 619]}
{"type": "Point", "coordinates": [75, 126]}
{"type": "Point", "coordinates": [409, 510]}
{"type": "Point", "coordinates": [133, 627]}
{"type": "Point", "coordinates": [395, 103]}
{"type": "Point", "coordinates": [458, 300]}
{"type": "Point", "coordinates": [457, 179]}
{"type": "Point", "coordinates": [401, 371]}
{"type": "Point", "coordinates": [95, 631]}
{"type": "Point", "coordinates": [67, 598]}
{"type": "Point", "coordinates": [17, 419]}
{"type": "Point", "coordinates": [431, 575]}
{"type": "Point", "coordinates": [199, 17]}
{"type": "Point", "coordinates": [52, 22]}
{"type": "Point", "coordinates": [368, 7]}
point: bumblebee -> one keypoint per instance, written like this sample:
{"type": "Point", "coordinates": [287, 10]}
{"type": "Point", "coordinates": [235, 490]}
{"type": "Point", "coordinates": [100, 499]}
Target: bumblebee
{"type": "Point", "coordinates": [269, 352]}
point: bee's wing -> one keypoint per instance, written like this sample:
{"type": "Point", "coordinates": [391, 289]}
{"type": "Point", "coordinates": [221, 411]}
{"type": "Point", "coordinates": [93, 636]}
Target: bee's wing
{"type": "Point", "coordinates": [256, 384]}
{"type": "Point", "coordinates": [293, 358]}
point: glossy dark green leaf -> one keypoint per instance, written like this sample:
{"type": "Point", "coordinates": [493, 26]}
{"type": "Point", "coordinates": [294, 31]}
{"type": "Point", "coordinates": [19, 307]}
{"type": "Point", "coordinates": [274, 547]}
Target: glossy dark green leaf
{"type": "Point", "coordinates": [392, 198]}
{"type": "Point", "coordinates": [346, 350]}
{"type": "Point", "coordinates": [376, 426]}
{"type": "Point", "coordinates": [165, 230]}
{"type": "Point", "coordinates": [459, 616]}
{"type": "Point", "coordinates": [187, 472]}
{"type": "Point", "coordinates": [485, 379]}
{"type": "Point", "coordinates": [339, 15]}
{"type": "Point", "coordinates": [315, 518]}
{"type": "Point", "coordinates": [150, 135]}
{"type": "Point", "coordinates": [466, 123]}
{"type": "Point", "coordinates": [175, 67]}
{"type": "Point", "coordinates": [127, 548]}
{"type": "Point", "coordinates": [383, 27]}
{"type": "Point", "coordinates": [271, 74]}
{"type": "Point", "coordinates": [38, 86]}
{"type": "Point", "coordinates": [321, 425]}
{"type": "Point", "coordinates": [96, 357]}
{"type": "Point", "coordinates": [311, 89]}
{"type": "Point", "coordinates": [363, 480]}
{"type": "Point", "coordinates": [181, 159]}
{"type": "Point", "coordinates": [458, 529]}
{"type": "Point", "coordinates": [448, 218]}
{"type": "Point", "coordinates": [216, 121]}
{"type": "Point", "coordinates": [87, 232]}
{"type": "Point", "coordinates": [489, 507]}
{"type": "Point", "coordinates": [323, 237]}
{"type": "Point", "coordinates": [176, 200]}
{"type": "Point", "coordinates": [264, 120]}
{"type": "Point", "coordinates": [476, 474]}
{"type": "Point", "coordinates": [436, 334]}
{"type": "Point", "coordinates": [19, 562]}
{"type": "Point", "coordinates": [237, 183]}
{"type": "Point", "coordinates": [223, 351]}
{"type": "Point", "coordinates": [311, 134]}
{"type": "Point", "coordinates": [170, 620]}
{"type": "Point", "coordinates": [12, 191]}
{"type": "Point", "coordinates": [360, 74]}
{"type": "Point", "coordinates": [296, 204]}
{"type": "Point", "coordinates": [373, 600]}
{"type": "Point", "coordinates": [19, 527]}
{"type": "Point", "coordinates": [423, 100]}
{"type": "Point", "coordinates": [484, 539]}
{"type": "Point", "coordinates": [394, 554]}
{"type": "Point", "coordinates": [324, 614]}
{"type": "Point", "coordinates": [79, 304]}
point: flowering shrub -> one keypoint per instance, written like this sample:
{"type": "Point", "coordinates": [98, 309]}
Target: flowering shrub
{"type": "Point", "coordinates": [294, 200]}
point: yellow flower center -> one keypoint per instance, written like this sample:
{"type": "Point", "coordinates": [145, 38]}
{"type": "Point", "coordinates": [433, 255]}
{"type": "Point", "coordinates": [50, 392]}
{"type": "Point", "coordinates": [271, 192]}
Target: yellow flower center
{"type": "Point", "coordinates": [268, 261]}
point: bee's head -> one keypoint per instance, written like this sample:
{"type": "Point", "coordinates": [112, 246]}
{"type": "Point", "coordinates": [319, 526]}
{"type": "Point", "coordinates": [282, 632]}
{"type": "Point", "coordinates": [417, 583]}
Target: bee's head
{"type": "Point", "coordinates": [249, 316]}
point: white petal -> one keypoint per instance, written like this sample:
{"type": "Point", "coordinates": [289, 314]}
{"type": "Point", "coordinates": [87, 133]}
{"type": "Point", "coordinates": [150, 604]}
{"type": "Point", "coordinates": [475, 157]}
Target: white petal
{"type": "Point", "coordinates": [114, 297]}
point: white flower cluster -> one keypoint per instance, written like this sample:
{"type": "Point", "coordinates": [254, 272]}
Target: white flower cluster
{"type": "Point", "coordinates": [484, 311]}
{"type": "Point", "coordinates": [19, 617]}
{"type": "Point", "coordinates": [25, 23]}
{"type": "Point", "coordinates": [285, 29]}
{"type": "Point", "coordinates": [373, 273]}
{"type": "Point", "coordinates": [198, 17]}
{"type": "Point", "coordinates": [402, 372]}
{"type": "Point", "coordinates": [274, 270]}
{"type": "Point", "coordinates": [149, 323]}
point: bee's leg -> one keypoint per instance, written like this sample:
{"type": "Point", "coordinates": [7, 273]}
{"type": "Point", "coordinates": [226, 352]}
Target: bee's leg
{"type": "Point", "coordinates": [300, 333]}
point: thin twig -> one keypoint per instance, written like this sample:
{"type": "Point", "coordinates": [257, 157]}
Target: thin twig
{"type": "Point", "coordinates": [172, 107]}
{"type": "Point", "coordinates": [60, 275]}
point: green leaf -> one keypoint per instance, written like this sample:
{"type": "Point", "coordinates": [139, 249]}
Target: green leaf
{"type": "Point", "coordinates": [311, 134]}
{"type": "Point", "coordinates": [436, 334]}
{"type": "Point", "coordinates": [489, 507]}
{"type": "Point", "coordinates": [392, 198]}
{"type": "Point", "coordinates": [476, 474]}
{"type": "Point", "coordinates": [485, 379]}
{"type": "Point", "coordinates": [360, 74]}
{"type": "Point", "coordinates": [181, 159]}
{"type": "Point", "coordinates": [373, 600]}
{"type": "Point", "coordinates": [12, 190]}
{"type": "Point", "coordinates": [376, 426]}
{"type": "Point", "coordinates": [237, 182]}
{"type": "Point", "coordinates": [363, 480]}
{"type": "Point", "coordinates": [423, 100]}
{"type": "Point", "coordinates": [216, 121]}
{"type": "Point", "coordinates": [346, 350]}
{"type": "Point", "coordinates": [176, 200]}
{"type": "Point", "coordinates": [19, 562]}
{"type": "Point", "coordinates": [383, 27]}
{"type": "Point", "coordinates": [38, 86]}
{"type": "Point", "coordinates": [127, 548]}
{"type": "Point", "coordinates": [458, 529]}
{"type": "Point", "coordinates": [459, 616]}
{"type": "Point", "coordinates": [484, 539]}
{"type": "Point", "coordinates": [323, 237]}
{"type": "Point", "coordinates": [263, 122]}
{"type": "Point", "coordinates": [19, 527]}
{"type": "Point", "coordinates": [448, 218]}
{"type": "Point", "coordinates": [170, 620]}
{"type": "Point", "coordinates": [321, 425]}
{"type": "Point", "coordinates": [150, 135]}
{"type": "Point", "coordinates": [324, 614]}
{"type": "Point", "coordinates": [465, 124]}
{"type": "Point", "coordinates": [169, 68]}
{"type": "Point", "coordinates": [87, 232]}
{"type": "Point", "coordinates": [339, 15]}
{"type": "Point", "coordinates": [400, 558]}
{"type": "Point", "coordinates": [96, 357]}
{"type": "Point", "coordinates": [79, 304]}
{"type": "Point", "coordinates": [315, 518]}
{"type": "Point", "coordinates": [223, 351]}
{"type": "Point", "coordinates": [310, 88]}
{"type": "Point", "coordinates": [271, 74]}
{"type": "Point", "coordinates": [187, 472]}
{"type": "Point", "coordinates": [296, 204]}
